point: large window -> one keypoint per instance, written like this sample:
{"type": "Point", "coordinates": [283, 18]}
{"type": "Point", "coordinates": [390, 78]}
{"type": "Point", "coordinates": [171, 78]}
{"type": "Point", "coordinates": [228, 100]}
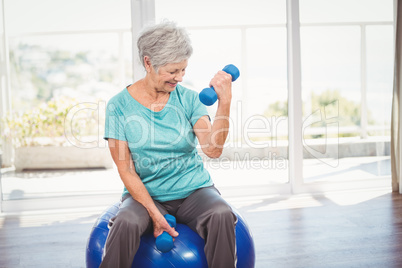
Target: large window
{"type": "Point", "coordinates": [347, 67]}
{"type": "Point", "coordinates": [80, 51]}
{"type": "Point", "coordinates": [83, 49]}
{"type": "Point", "coordinates": [346, 55]}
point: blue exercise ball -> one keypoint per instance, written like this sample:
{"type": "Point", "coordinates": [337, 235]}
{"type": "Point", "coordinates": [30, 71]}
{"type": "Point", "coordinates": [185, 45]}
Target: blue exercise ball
{"type": "Point", "coordinates": [188, 248]}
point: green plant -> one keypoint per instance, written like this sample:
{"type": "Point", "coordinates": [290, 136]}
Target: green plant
{"type": "Point", "coordinates": [45, 124]}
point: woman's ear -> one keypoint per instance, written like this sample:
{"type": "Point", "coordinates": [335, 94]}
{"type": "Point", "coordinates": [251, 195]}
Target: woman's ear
{"type": "Point", "coordinates": [147, 64]}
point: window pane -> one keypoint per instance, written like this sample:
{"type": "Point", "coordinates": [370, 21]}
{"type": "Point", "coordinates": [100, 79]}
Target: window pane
{"type": "Point", "coordinates": [82, 66]}
{"type": "Point", "coordinates": [345, 10]}
{"type": "Point", "coordinates": [222, 12]}
{"type": "Point", "coordinates": [380, 53]}
{"type": "Point", "coordinates": [330, 62]}
{"type": "Point", "coordinates": [59, 15]}
{"type": "Point", "coordinates": [265, 97]}
{"type": "Point", "coordinates": [336, 146]}
{"type": "Point", "coordinates": [60, 49]}
{"type": "Point", "coordinates": [266, 68]}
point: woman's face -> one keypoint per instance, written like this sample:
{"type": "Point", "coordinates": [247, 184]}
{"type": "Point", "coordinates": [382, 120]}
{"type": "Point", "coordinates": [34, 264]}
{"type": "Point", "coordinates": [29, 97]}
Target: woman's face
{"type": "Point", "coordinates": [168, 76]}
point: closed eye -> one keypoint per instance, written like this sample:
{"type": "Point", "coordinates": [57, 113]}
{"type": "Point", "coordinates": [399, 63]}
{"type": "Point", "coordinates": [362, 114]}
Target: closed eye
{"type": "Point", "coordinates": [183, 70]}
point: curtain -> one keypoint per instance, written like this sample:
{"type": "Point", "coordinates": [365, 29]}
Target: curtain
{"type": "Point", "coordinates": [396, 105]}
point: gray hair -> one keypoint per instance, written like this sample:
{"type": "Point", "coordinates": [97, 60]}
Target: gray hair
{"type": "Point", "coordinates": [164, 43]}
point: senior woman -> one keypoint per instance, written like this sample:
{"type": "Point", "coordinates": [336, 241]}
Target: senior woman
{"type": "Point", "coordinates": [152, 128]}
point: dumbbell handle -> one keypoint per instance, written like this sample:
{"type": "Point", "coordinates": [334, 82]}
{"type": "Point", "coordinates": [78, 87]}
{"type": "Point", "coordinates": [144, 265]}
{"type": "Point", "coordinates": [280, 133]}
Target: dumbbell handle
{"type": "Point", "coordinates": [164, 242]}
{"type": "Point", "coordinates": [208, 95]}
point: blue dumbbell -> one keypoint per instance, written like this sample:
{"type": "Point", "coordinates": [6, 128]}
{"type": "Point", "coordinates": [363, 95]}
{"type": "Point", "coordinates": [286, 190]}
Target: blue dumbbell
{"type": "Point", "coordinates": [208, 95]}
{"type": "Point", "coordinates": [164, 242]}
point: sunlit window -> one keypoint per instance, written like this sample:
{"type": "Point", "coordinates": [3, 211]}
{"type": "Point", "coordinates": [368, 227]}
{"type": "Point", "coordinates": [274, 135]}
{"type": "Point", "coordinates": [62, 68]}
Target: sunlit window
{"type": "Point", "coordinates": [347, 63]}
{"type": "Point", "coordinates": [83, 50]}
{"type": "Point", "coordinates": [75, 49]}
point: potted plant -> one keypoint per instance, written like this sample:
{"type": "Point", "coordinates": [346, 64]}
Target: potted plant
{"type": "Point", "coordinates": [57, 135]}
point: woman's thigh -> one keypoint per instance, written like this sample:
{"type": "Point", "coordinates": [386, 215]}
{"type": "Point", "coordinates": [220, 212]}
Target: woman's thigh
{"type": "Point", "coordinates": [200, 205]}
{"type": "Point", "coordinates": [134, 213]}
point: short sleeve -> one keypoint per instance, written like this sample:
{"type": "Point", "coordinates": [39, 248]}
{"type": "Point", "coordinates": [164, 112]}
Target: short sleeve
{"type": "Point", "coordinates": [198, 111]}
{"type": "Point", "coordinates": [114, 123]}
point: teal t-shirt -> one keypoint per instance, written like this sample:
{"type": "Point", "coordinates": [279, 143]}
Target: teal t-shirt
{"type": "Point", "coordinates": [162, 144]}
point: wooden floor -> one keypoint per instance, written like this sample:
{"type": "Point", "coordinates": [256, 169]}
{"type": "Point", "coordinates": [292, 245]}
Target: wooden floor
{"type": "Point", "coordinates": [348, 229]}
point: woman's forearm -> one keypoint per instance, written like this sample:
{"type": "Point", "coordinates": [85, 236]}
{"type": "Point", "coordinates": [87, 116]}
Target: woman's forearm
{"type": "Point", "coordinates": [220, 129]}
{"type": "Point", "coordinates": [213, 137]}
{"type": "Point", "coordinates": [139, 192]}
{"type": "Point", "coordinates": [122, 157]}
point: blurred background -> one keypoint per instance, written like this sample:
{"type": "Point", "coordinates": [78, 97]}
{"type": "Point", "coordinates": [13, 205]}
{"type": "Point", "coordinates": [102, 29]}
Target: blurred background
{"type": "Point", "coordinates": [63, 60]}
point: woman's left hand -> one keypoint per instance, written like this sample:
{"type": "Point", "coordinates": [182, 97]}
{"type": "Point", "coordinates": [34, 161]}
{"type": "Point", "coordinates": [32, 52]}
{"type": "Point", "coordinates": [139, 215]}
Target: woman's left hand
{"type": "Point", "coordinates": [222, 83]}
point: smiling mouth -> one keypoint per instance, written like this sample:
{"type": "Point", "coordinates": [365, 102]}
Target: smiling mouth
{"type": "Point", "coordinates": [172, 84]}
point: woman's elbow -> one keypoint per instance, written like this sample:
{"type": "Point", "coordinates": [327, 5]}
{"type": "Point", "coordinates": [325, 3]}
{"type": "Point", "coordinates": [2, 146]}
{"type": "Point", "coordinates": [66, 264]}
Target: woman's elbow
{"type": "Point", "coordinates": [215, 153]}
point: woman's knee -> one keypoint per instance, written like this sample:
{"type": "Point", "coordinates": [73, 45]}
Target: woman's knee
{"type": "Point", "coordinates": [222, 212]}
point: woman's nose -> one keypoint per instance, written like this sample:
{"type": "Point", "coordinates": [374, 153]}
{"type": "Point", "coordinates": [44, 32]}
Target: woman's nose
{"type": "Point", "coordinates": [179, 76]}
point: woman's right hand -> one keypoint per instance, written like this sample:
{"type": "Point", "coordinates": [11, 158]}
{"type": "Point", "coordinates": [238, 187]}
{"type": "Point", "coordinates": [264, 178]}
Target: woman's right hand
{"type": "Point", "coordinates": [161, 225]}
{"type": "Point", "coordinates": [222, 84]}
